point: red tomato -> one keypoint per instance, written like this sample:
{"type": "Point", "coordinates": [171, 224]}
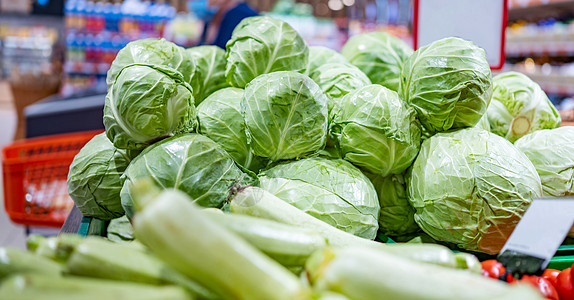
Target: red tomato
{"type": "Point", "coordinates": [550, 275]}
{"type": "Point", "coordinates": [572, 275]}
{"type": "Point", "coordinates": [543, 285]}
{"type": "Point", "coordinates": [564, 285]}
{"type": "Point", "coordinates": [492, 268]}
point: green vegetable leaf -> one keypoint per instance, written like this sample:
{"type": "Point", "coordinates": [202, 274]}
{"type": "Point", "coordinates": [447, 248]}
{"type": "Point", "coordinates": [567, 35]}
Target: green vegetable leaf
{"type": "Point", "coordinates": [448, 83]}
{"type": "Point", "coordinates": [261, 45]}
{"type": "Point", "coordinates": [191, 163]}
{"type": "Point", "coordinates": [285, 115]}
{"type": "Point", "coordinates": [379, 55]}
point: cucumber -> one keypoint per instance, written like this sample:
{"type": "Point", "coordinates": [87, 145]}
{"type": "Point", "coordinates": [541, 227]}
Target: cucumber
{"type": "Point", "coordinates": [58, 248]}
{"type": "Point", "coordinates": [14, 261]}
{"type": "Point", "coordinates": [177, 231]}
{"type": "Point", "coordinates": [328, 295]}
{"type": "Point", "coordinates": [365, 273]}
{"type": "Point", "coordinates": [257, 202]}
{"type": "Point", "coordinates": [427, 253]}
{"type": "Point", "coordinates": [99, 258]}
{"type": "Point", "coordinates": [35, 286]}
{"type": "Point", "coordinates": [33, 241]}
{"type": "Point", "coordinates": [468, 261]}
{"type": "Point", "coordinates": [288, 245]}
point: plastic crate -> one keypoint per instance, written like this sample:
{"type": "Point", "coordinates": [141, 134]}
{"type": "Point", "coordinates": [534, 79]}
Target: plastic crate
{"type": "Point", "coordinates": [34, 176]}
{"type": "Point", "coordinates": [92, 226]}
{"type": "Point", "coordinates": [563, 259]}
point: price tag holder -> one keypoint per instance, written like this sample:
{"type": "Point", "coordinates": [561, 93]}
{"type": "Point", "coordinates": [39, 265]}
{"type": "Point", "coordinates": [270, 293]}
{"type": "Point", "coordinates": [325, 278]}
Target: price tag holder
{"type": "Point", "coordinates": [538, 235]}
{"type": "Point", "coordinates": [482, 22]}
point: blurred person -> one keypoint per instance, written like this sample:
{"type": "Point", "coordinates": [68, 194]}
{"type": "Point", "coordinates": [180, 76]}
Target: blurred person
{"type": "Point", "coordinates": [220, 18]}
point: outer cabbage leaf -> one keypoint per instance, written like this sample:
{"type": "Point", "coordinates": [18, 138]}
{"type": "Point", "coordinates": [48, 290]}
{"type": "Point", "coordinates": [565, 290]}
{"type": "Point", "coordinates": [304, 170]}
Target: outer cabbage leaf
{"type": "Point", "coordinates": [396, 216]}
{"type": "Point", "coordinates": [220, 119]}
{"type": "Point", "coordinates": [448, 83]}
{"type": "Point", "coordinates": [319, 55]}
{"type": "Point", "coordinates": [379, 55]}
{"type": "Point", "coordinates": [471, 187]}
{"type": "Point", "coordinates": [192, 163]}
{"type": "Point", "coordinates": [330, 152]}
{"type": "Point", "coordinates": [152, 51]}
{"type": "Point", "coordinates": [120, 230]}
{"type": "Point", "coordinates": [147, 103]}
{"type": "Point", "coordinates": [418, 237]}
{"type": "Point", "coordinates": [483, 123]}
{"type": "Point", "coordinates": [285, 115]}
{"type": "Point", "coordinates": [94, 178]}
{"type": "Point", "coordinates": [519, 106]}
{"type": "Point", "coordinates": [337, 80]}
{"type": "Point", "coordinates": [210, 74]}
{"type": "Point", "coordinates": [376, 131]}
{"type": "Point", "coordinates": [552, 153]}
{"type": "Point", "coordinates": [261, 45]}
{"type": "Point", "coordinates": [333, 191]}
{"type": "Point", "coordinates": [425, 134]}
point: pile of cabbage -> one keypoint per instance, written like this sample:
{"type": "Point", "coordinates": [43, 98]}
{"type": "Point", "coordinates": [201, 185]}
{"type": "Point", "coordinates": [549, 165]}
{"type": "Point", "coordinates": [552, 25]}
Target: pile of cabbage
{"type": "Point", "coordinates": [375, 140]}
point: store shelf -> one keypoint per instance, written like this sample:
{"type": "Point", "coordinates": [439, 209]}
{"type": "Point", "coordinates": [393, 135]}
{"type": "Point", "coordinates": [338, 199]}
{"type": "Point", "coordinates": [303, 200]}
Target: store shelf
{"type": "Point", "coordinates": [542, 10]}
{"type": "Point", "coordinates": [567, 117]}
{"type": "Point", "coordinates": [563, 49]}
{"type": "Point", "coordinates": [541, 44]}
{"type": "Point", "coordinates": [556, 84]}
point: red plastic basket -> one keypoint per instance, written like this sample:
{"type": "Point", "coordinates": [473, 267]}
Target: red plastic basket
{"type": "Point", "coordinates": [34, 174]}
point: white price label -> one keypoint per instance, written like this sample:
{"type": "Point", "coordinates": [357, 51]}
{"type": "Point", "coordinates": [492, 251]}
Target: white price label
{"type": "Point", "coordinates": [543, 228]}
{"type": "Point", "coordinates": [483, 22]}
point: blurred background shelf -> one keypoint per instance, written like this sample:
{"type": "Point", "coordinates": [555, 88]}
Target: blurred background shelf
{"type": "Point", "coordinates": [540, 43]}
{"type": "Point", "coordinates": [535, 9]}
{"type": "Point", "coordinates": [555, 84]}
{"type": "Point", "coordinates": [552, 44]}
{"type": "Point", "coordinates": [567, 117]}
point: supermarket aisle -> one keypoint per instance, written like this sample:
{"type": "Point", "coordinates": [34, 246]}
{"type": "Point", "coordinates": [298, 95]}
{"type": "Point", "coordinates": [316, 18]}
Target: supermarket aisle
{"type": "Point", "coordinates": [10, 234]}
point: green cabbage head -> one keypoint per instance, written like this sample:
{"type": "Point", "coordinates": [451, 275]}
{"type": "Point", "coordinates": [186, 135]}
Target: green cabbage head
{"type": "Point", "coordinates": [94, 178]}
{"type": "Point", "coordinates": [337, 80]}
{"type": "Point", "coordinates": [210, 74]}
{"type": "Point", "coordinates": [220, 119]}
{"type": "Point", "coordinates": [192, 163]}
{"type": "Point", "coordinates": [285, 115]}
{"type": "Point", "coordinates": [376, 130]}
{"type": "Point", "coordinates": [333, 191]}
{"type": "Point", "coordinates": [471, 187]}
{"type": "Point", "coordinates": [152, 51]}
{"type": "Point", "coordinates": [261, 45]}
{"type": "Point", "coordinates": [396, 216]}
{"type": "Point", "coordinates": [448, 83]}
{"type": "Point", "coordinates": [147, 103]}
{"type": "Point", "coordinates": [379, 55]}
{"type": "Point", "coordinates": [552, 153]}
{"type": "Point", "coordinates": [519, 106]}
{"type": "Point", "coordinates": [319, 55]}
